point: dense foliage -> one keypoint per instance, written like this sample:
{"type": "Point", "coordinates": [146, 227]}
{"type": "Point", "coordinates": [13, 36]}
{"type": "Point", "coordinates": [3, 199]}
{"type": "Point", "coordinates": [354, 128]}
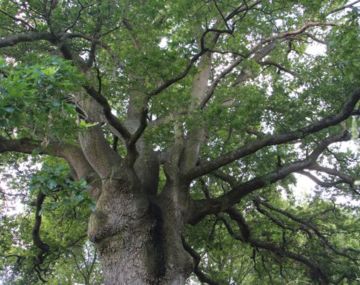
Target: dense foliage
{"type": "Point", "coordinates": [266, 90]}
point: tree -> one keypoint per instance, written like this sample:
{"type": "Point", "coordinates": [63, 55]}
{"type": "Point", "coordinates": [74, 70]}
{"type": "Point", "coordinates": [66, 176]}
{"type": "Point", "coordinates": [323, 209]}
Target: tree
{"type": "Point", "coordinates": [185, 121]}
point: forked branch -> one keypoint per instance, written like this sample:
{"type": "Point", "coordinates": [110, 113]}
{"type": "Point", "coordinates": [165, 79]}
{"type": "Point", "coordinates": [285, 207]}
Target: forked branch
{"type": "Point", "coordinates": [206, 167]}
{"type": "Point", "coordinates": [245, 231]}
{"type": "Point", "coordinates": [198, 272]}
{"type": "Point", "coordinates": [222, 203]}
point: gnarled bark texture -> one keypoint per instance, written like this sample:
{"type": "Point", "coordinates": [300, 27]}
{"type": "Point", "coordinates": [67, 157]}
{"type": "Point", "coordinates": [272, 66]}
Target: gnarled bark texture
{"type": "Point", "coordinates": [139, 240]}
{"type": "Point", "coordinates": [136, 230]}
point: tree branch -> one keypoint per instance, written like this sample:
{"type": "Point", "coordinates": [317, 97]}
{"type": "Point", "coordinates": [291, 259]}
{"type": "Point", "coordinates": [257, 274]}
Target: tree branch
{"type": "Point", "coordinates": [350, 5]}
{"type": "Point", "coordinates": [60, 40]}
{"type": "Point", "coordinates": [209, 166]}
{"type": "Point", "coordinates": [331, 171]}
{"type": "Point", "coordinates": [278, 66]}
{"type": "Point", "coordinates": [177, 78]}
{"type": "Point", "coordinates": [111, 119]}
{"type": "Point", "coordinates": [277, 250]}
{"type": "Point", "coordinates": [37, 36]}
{"type": "Point", "coordinates": [319, 181]}
{"type": "Point", "coordinates": [16, 19]}
{"type": "Point", "coordinates": [307, 226]}
{"type": "Point", "coordinates": [196, 257]}
{"type": "Point", "coordinates": [203, 48]}
{"type": "Point", "coordinates": [38, 242]}
{"type": "Point", "coordinates": [72, 154]}
{"type": "Point", "coordinates": [205, 207]}
{"type": "Point", "coordinates": [25, 37]}
{"type": "Point", "coordinates": [258, 52]}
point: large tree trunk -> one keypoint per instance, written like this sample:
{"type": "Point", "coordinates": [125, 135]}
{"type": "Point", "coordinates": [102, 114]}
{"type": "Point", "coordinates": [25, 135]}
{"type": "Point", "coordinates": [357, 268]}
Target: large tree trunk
{"type": "Point", "coordinates": [138, 240]}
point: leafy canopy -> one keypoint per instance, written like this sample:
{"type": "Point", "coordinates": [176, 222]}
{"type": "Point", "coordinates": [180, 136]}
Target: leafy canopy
{"type": "Point", "coordinates": [263, 80]}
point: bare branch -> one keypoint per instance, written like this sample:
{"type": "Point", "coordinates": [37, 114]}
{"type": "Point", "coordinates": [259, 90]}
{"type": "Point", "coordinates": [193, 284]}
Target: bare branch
{"type": "Point", "coordinates": [59, 39]}
{"type": "Point", "coordinates": [78, 16]}
{"type": "Point", "coordinates": [111, 119]}
{"type": "Point", "coordinates": [245, 7]}
{"type": "Point", "coordinates": [291, 34]}
{"type": "Point", "coordinates": [314, 38]}
{"type": "Point", "coordinates": [273, 219]}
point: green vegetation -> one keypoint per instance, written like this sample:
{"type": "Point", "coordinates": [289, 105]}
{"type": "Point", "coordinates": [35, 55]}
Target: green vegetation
{"type": "Point", "coordinates": [180, 127]}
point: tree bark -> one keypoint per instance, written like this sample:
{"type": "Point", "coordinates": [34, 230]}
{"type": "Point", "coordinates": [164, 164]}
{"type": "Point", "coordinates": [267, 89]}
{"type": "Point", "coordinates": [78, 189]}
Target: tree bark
{"type": "Point", "coordinates": [138, 240]}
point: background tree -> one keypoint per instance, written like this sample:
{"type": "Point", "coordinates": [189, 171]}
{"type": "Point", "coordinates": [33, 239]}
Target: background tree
{"type": "Point", "coordinates": [177, 128]}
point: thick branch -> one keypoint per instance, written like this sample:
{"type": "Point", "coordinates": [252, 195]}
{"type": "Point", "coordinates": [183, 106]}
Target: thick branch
{"type": "Point", "coordinates": [331, 171]}
{"type": "Point", "coordinates": [38, 242]}
{"type": "Point", "coordinates": [25, 37]}
{"type": "Point", "coordinates": [104, 160]}
{"type": "Point", "coordinates": [224, 202]}
{"type": "Point", "coordinates": [318, 181]}
{"type": "Point", "coordinates": [209, 166]}
{"type": "Point", "coordinates": [37, 36]}
{"type": "Point", "coordinates": [72, 154]}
